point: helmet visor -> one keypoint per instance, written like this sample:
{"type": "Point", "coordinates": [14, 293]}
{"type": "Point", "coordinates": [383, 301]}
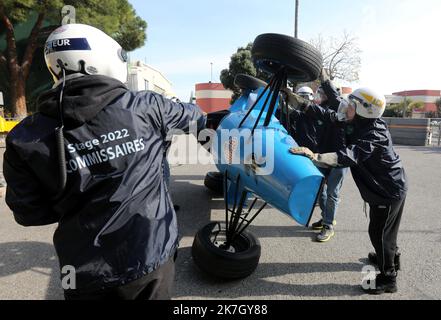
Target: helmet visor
{"type": "Point", "coordinates": [359, 103]}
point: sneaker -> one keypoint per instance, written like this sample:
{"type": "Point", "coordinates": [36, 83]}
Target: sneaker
{"type": "Point", "coordinates": [319, 225]}
{"type": "Point", "coordinates": [383, 284]}
{"type": "Point", "coordinates": [372, 256]}
{"type": "Point", "coordinates": [326, 234]}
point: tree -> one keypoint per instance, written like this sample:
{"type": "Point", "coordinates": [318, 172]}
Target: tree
{"type": "Point", "coordinates": [241, 62]}
{"type": "Point", "coordinates": [414, 106]}
{"type": "Point", "coordinates": [403, 109]}
{"type": "Point", "coordinates": [115, 17]}
{"type": "Point", "coordinates": [341, 56]}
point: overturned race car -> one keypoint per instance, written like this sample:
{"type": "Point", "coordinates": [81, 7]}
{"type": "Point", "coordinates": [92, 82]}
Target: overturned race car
{"type": "Point", "coordinates": [251, 148]}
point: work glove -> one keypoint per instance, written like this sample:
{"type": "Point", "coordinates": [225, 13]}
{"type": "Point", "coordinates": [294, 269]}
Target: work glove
{"type": "Point", "coordinates": [294, 100]}
{"type": "Point", "coordinates": [327, 160]}
{"type": "Point", "coordinates": [303, 152]}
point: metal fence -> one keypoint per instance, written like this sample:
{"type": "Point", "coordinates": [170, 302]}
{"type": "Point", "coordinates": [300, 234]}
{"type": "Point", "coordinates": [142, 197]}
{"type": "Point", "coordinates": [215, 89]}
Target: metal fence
{"type": "Point", "coordinates": [435, 133]}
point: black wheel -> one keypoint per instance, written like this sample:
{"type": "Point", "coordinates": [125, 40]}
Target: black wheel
{"type": "Point", "coordinates": [302, 61]}
{"type": "Point", "coordinates": [238, 261]}
{"type": "Point", "coordinates": [215, 182]}
{"type": "Point", "coordinates": [246, 82]}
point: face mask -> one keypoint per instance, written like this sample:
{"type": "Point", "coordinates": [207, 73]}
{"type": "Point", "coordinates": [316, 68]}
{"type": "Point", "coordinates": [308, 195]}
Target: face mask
{"type": "Point", "coordinates": [342, 110]}
{"type": "Point", "coordinates": [306, 97]}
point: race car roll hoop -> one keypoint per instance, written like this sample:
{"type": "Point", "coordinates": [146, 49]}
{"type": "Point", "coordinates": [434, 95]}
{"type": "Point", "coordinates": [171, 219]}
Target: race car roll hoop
{"type": "Point", "coordinates": [226, 250]}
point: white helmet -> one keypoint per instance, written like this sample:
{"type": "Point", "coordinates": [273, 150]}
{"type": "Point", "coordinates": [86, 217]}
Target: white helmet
{"type": "Point", "coordinates": [306, 92]}
{"type": "Point", "coordinates": [368, 103]}
{"type": "Point", "coordinates": [86, 50]}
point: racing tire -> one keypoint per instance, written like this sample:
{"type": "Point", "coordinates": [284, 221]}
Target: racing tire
{"type": "Point", "coordinates": [238, 262]}
{"type": "Point", "coordinates": [302, 61]}
{"type": "Point", "coordinates": [214, 181]}
{"type": "Point", "coordinates": [246, 82]}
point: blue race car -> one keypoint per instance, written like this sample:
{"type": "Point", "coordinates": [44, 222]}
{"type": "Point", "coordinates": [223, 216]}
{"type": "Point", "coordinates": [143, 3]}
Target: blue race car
{"type": "Point", "coordinates": [251, 148]}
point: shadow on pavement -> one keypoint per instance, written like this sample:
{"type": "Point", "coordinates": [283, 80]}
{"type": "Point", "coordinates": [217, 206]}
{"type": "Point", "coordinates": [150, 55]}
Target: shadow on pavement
{"type": "Point", "coordinates": [194, 215]}
{"type": "Point", "coordinates": [196, 203]}
{"type": "Point", "coordinates": [191, 282]}
{"type": "Point", "coordinates": [16, 257]}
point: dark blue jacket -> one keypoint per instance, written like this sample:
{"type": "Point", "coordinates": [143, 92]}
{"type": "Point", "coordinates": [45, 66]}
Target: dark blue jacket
{"type": "Point", "coordinates": [332, 137]}
{"type": "Point", "coordinates": [116, 221]}
{"type": "Point", "coordinates": [377, 170]}
{"type": "Point", "coordinates": [312, 132]}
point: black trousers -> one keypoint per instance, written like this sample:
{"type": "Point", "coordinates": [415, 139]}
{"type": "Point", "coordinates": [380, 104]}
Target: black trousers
{"type": "Point", "coordinates": [157, 285]}
{"type": "Point", "coordinates": [383, 231]}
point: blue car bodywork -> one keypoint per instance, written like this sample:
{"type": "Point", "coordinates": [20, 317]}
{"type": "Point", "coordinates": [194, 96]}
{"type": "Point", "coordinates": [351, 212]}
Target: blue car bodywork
{"type": "Point", "coordinates": [259, 162]}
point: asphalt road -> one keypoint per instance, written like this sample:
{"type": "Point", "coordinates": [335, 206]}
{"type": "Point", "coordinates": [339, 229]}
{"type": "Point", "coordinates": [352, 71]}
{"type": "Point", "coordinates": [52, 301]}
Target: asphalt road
{"type": "Point", "coordinates": [292, 265]}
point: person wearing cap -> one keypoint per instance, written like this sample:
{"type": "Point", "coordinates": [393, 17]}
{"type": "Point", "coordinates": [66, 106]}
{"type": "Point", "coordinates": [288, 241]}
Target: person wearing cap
{"type": "Point", "coordinates": [92, 161]}
{"type": "Point", "coordinates": [320, 137]}
{"type": "Point", "coordinates": [305, 130]}
{"type": "Point", "coordinates": [377, 171]}
{"type": "Point", "coordinates": [332, 139]}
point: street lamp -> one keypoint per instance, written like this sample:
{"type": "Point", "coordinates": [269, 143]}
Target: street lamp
{"type": "Point", "coordinates": [296, 23]}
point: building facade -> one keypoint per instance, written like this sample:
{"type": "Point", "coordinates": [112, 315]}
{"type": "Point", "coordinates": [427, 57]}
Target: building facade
{"type": "Point", "coordinates": [144, 77]}
{"type": "Point", "coordinates": [213, 97]}
{"type": "Point", "coordinates": [428, 97]}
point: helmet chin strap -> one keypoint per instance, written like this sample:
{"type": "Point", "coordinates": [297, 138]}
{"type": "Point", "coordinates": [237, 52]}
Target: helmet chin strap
{"type": "Point", "coordinates": [59, 139]}
{"type": "Point", "coordinates": [64, 72]}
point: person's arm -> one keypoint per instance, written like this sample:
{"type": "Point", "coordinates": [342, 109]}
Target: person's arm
{"type": "Point", "coordinates": [169, 115]}
{"type": "Point", "coordinates": [294, 114]}
{"type": "Point", "coordinates": [316, 112]}
{"type": "Point", "coordinates": [25, 196]}
{"type": "Point", "coordinates": [348, 157]}
{"type": "Point", "coordinates": [331, 92]}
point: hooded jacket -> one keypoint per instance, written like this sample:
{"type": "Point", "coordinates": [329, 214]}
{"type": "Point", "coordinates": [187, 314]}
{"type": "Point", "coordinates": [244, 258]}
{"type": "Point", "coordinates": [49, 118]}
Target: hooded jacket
{"type": "Point", "coordinates": [332, 136]}
{"type": "Point", "coordinates": [116, 221]}
{"type": "Point", "coordinates": [312, 132]}
{"type": "Point", "coordinates": [376, 168]}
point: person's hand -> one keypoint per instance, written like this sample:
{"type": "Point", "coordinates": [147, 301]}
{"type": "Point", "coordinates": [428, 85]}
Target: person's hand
{"type": "Point", "coordinates": [294, 100]}
{"type": "Point", "coordinates": [303, 152]}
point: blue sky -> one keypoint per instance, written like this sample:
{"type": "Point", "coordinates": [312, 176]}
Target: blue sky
{"type": "Point", "coordinates": [400, 39]}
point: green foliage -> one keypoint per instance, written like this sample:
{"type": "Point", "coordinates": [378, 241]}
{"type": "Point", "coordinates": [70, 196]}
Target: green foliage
{"type": "Point", "coordinates": [18, 10]}
{"type": "Point", "coordinates": [117, 18]}
{"type": "Point", "coordinates": [415, 106]}
{"type": "Point", "coordinates": [241, 62]}
{"type": "Point", "coordinates": [393, 111]}
{"type": "Point", "coordinates": [403, 109]}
